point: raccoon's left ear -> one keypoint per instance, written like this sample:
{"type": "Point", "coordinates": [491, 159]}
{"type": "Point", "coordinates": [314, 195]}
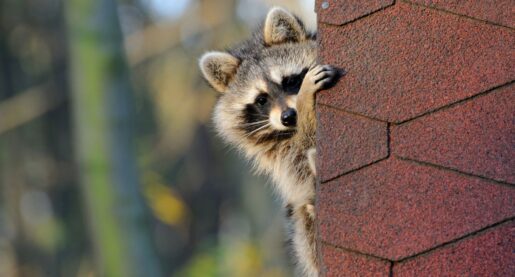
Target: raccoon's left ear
{"type": "Point", "coordinates": [281, 26]}
{"type": "Point", "coordinates": [219, 68]}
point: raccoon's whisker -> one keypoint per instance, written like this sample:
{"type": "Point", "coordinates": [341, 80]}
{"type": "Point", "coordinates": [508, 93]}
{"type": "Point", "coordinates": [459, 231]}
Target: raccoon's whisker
{"type": "Point", "coordinates": [258, 129]}
{"type": "Point", "coordinates": [255, 123]}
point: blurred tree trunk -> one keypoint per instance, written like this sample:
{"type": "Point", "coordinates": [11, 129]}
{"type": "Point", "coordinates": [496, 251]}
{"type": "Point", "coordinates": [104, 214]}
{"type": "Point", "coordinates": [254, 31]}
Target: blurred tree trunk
{"type": "Point", "coordinates": [102, 109]}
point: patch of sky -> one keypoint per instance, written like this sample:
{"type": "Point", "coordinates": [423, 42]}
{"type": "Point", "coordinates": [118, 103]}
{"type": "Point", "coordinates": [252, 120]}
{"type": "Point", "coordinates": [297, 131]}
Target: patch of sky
{"type": "Point", "coordinates": [167, 9]}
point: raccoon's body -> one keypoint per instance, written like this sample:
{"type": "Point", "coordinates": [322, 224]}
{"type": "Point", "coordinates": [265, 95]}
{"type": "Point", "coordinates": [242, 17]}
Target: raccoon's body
{"type": "Point", "coordinates": [266, 109]}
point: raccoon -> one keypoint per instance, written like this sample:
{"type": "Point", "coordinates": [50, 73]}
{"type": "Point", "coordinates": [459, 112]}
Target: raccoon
{"type": "Point", "coordinates": [266, 110]}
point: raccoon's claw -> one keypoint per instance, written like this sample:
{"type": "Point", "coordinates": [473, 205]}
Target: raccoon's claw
{"type": "Point", "coordinates": [327, 72]}
{"type": "Point", "coordinates": [319, 77]}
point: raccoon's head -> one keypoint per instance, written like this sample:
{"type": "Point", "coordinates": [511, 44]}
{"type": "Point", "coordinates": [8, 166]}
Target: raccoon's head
{"type": "Point", "coordinates": [259, 80]}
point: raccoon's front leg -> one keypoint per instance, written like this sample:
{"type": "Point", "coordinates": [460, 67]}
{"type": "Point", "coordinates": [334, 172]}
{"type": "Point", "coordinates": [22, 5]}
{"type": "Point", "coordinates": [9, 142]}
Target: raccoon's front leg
{"type": "Point", "coordinates": [317, 78]}
{"type": "Point", "coordinates": [302, 220]}
{"type": "Point", "coordinates": [303, 217]}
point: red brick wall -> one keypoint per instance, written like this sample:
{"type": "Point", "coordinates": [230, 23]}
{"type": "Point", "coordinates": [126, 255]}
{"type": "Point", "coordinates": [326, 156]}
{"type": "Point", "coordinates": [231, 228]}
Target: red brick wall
{"type": "Point", "coordinates": [417, 141]}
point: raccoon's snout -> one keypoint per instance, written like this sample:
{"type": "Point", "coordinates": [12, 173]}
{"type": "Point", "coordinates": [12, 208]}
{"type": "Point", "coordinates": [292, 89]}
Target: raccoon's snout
{"type": "Point", "coordinates": [289, 117]}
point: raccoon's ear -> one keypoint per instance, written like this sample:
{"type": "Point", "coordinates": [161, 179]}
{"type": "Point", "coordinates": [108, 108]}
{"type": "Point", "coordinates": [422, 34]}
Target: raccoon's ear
{"type": "Point", "coordinates": [219, 68]}
{"type": "Point", "coordinates": [281, 26]}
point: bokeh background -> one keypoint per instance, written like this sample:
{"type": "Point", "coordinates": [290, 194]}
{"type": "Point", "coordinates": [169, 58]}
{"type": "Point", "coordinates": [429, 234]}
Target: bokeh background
{"type": "Point", "coordinates": [109, 164]}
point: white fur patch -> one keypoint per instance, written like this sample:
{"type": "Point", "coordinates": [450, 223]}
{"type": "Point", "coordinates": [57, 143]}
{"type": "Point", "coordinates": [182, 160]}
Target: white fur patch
{"type": "Point", "coordinates": [311, 155]}
{"type": "Point", "coordinates": [250, 96]}
{"type": "Point", "coordinates": [276, 75]}
{"type": "Point", "coordinates": [275, 119]}
{"type": "Point", "coordinates": [291, 101]}
{"type": "Point", "coordinates": [261, 85]}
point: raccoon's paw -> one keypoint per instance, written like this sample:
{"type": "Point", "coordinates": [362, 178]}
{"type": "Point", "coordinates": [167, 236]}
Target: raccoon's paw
{"type": "Point", "coordinates": [319, 77]}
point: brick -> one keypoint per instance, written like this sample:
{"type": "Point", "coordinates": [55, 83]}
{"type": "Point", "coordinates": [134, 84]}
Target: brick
{"type": "Point", "coordinates": [346, 142]}
{"type": "Point", "coordinates": [341, 12]}
{"type": "Point", "coordinates": [497, 11]}
{"type": "Point", "coordinates": [490, 253]}
{"type": "Point", "coordinates": [337, 262]}
{"type": "Point", "coordinates": [407, 60]}
{"type": "Point", "coordinates": [476, 137]}
{"type": "Point", "coordinates": [394, 209]}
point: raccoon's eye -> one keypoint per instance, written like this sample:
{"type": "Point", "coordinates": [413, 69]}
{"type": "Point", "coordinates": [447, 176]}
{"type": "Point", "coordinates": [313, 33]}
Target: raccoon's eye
{"type": "Point", "coordinates": [291, 84]}
{"type": "Point", "coordinates": [261, 99]}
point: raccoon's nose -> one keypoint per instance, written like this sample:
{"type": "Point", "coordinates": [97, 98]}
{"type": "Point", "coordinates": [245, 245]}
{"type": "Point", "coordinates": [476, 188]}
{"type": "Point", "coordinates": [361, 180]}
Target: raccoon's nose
{"type": "Point", "coordinates": [289, 117]}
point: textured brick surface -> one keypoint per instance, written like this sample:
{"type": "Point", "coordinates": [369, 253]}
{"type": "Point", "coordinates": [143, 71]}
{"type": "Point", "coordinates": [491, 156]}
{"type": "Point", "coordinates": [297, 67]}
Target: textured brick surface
{"type": "Point", "coordinates": [477, 136]}
{"type": "Point", "coordinates": [346, 142]}
{"type": "Point", "coordinates": [341, 12]}
{"type": "Point", "coordinates": [497, 11]}
{"type": "Point", "coordinates": [394, 209]}
{"type": "Point", "coordinates": [338, 263]}
{"type": "Point", "coordinates": [407, 60]}
{"type": "Point", "coordinates": [487, 254]}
